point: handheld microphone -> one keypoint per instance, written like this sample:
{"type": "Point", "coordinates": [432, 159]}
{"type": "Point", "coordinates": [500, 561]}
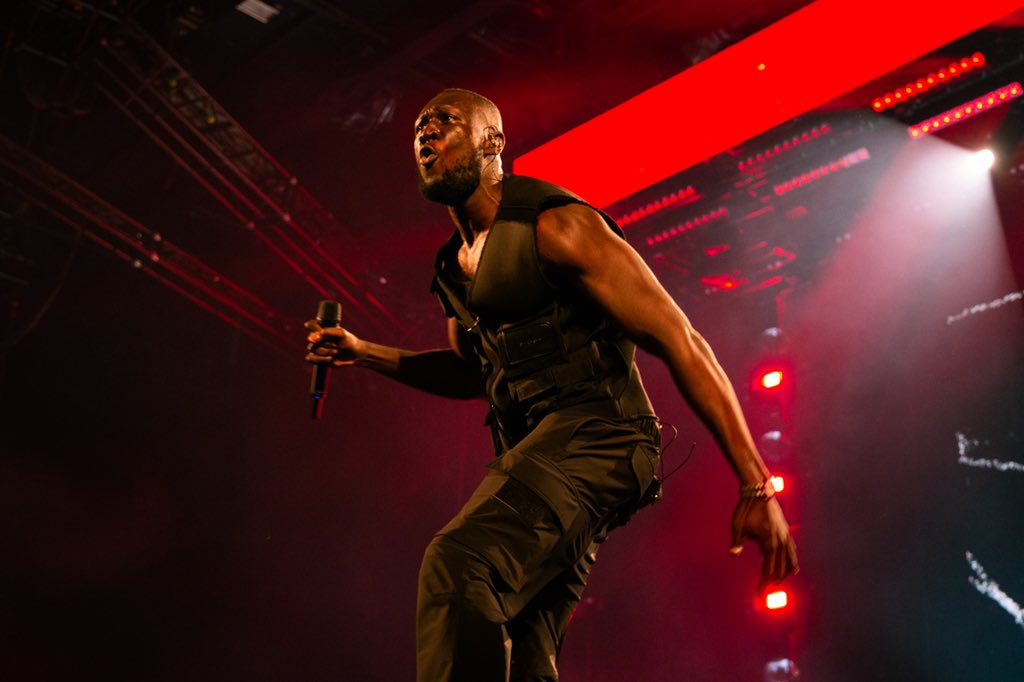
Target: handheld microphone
{"type": "Point", "coordinates": [328, 314]}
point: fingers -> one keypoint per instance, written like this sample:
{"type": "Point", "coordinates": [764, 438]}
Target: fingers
{"type": "Point", "coordinates": [320, 347]}
{"type": "Point", "coordinates": [763, 522]}
{"type": "Point", "coordinates": [318, 334]}
{"type": "Point", "coordinates": [769, 571]}
{"type": "Point", "coordinates": [739, 518]}
{"type": "Point", "coordinates": [779, 562]}
{"type": "Point", "coordinates": [793, 561]}
{"type": "Point", "coordinates": [332, 346]}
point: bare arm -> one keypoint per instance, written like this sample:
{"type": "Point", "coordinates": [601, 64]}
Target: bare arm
{"type": "Point", "coordinates": [577, 246]}
{"type": "Point", "coordinates": [451, 372]}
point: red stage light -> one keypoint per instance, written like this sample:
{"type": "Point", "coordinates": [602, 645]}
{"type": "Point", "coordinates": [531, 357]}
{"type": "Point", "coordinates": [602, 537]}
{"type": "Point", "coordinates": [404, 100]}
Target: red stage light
{"type": "Point", "coordinates": [753, 159]}
{"type": "Point", "coordinates": [966, 110]}
{"type": "Point", "coordinates": [779, 483]}
{"type": "Point", "coordinates": [691, 224]}
{"type": "Point", "coordinates": [773, 601]}
{"type": "Point", "coordinates": [771, 379]}
{"type": "Point", "coordinates": [725, 282]}
{"type": "Point", "coordinates": [679, 198]}
{"type": "Point", "coordinates": [911, 90]}
{"type": "Point", "coordinates": [851, 159]}
{"type": "Point", "coordinates": [791, 86]}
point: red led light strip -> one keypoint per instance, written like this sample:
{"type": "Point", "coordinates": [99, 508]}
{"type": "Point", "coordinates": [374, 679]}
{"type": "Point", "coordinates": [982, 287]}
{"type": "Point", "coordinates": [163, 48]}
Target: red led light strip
{"type": "Point", "coordinates": [966, 110]}
{"type": "Point", "coordinates": [922, 85]}
{"type": "Point", "coordinates": [680, 198]}
{"type": "Point", "coordinates": [851, 159]}
{"type": "Point", "coordinates": [785, 146]}
{"type": "Point", "coordinates": [682, 228]}
{"type": "Point", "coordinates": [752, 86]}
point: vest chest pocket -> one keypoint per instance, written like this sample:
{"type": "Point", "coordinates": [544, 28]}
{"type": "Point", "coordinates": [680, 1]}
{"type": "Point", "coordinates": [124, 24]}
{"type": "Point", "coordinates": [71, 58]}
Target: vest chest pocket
{"type": "Point", "coordinates": [521, 345]}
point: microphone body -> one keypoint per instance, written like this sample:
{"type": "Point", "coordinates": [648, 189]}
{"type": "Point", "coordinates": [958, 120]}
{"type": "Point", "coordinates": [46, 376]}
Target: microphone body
{"type": "Point", "coordinates": [328, 314]}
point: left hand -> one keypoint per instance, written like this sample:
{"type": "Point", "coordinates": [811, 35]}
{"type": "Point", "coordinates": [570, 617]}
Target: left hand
{"type": "Point", "coordinates": [332, 346]}
{"type": "Point", "coordinates": [764, 522]}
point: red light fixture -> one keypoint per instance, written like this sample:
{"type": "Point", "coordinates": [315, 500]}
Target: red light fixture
{"type": "Point", "coordinates": [778, 483]}
{"type": "Point", "coordinates": [848, 161]}
{"type": "Point", "coordinates": [754, 160]}
{"type": "Point", "coordinates": [805, 66]}
{"type": "Point", "coordinates": [777, 600]}
{"type": "Point", "coordinates": [723, 282]}
{"type": "Point", "coordinates": [926, 83]}
{"type": "Point", "coordinates": [680, 198]}
{"type": "Point", "coordinates": [771, 380]}
{"type": "Point", "coordinates": [966, 110]}
{"type": "Point", "coordinates": [683, 228]}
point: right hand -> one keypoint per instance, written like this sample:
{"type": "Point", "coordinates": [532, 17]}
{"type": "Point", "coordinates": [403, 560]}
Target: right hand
{"type": "Point", "coordinates": [764, 522]}
{"type": "Point", "coordinates": [332, 346]}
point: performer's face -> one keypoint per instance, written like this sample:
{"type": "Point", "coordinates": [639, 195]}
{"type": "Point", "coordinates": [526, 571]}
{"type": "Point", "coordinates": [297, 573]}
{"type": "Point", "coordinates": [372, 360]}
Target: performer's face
{"type": "Point", "coordinates": [448, 149]}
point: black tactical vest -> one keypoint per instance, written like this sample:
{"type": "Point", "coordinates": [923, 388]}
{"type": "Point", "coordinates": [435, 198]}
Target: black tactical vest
{"type": "Point", "coordinates": [542, 347]}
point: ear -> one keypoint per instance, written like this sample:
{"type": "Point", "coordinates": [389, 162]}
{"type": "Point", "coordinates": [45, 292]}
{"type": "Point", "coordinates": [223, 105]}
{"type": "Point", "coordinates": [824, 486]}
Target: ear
{"type": "Point", "coordinates": [494, 142]}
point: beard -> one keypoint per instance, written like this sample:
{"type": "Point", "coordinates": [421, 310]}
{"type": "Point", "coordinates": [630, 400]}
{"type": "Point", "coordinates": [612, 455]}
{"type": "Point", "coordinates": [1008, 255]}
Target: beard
{"type": "Point", "coordinates": [456, 184]}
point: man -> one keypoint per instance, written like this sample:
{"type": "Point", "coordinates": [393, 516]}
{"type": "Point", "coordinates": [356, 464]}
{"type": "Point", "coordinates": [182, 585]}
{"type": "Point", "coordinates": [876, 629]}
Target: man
{"type": "Point", "coordinates": [545, 301]}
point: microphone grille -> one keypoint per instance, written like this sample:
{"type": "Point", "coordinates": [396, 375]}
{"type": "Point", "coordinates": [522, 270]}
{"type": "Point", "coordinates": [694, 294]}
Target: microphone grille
{"type": "Point", "coordinates": [328, 313]}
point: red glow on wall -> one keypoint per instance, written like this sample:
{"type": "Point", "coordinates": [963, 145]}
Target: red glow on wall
{"type": "Point", "coordinates": [927, 82]}
{"type": "Point", "coordinates": [792, 66]}
{"type": "Point", "coordinates": [966, 110]}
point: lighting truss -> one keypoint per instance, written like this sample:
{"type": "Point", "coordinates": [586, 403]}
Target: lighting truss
{"type": "Point", "coordinates": [783, 71]}
{"type": "Point", "coordinates": [970, 109]}
{"type": "Point", "coordinates": [769, 153]}
{"type": "Point", "coordinates": [848, 161]}
{"type": "Point", "coordinates": [691, 224]}
{"type": "Point", "coordinates": [926, 83]}
{"type": "Point", "coordinates": [188, 124]}
{"type": "Point", "coordinates": [140, 247]}
{"type": "Point", "coordinates": [680, 197]}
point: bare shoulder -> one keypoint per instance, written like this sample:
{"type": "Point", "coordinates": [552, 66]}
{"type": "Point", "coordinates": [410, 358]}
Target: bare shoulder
{"type": "Point", "coordinates": [570, 236]}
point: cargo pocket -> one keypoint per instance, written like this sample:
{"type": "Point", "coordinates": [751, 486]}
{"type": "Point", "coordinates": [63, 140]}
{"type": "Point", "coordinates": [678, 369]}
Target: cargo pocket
{"type": "Point", "coordinates": [643, 462]}
{"type": "Point", "coordinates": [645, 465]}
{"type": "Point", "coordinates": [543, 479]}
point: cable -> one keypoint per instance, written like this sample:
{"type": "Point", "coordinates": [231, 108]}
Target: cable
{"type": "Point", "coordinates": [675, 434]}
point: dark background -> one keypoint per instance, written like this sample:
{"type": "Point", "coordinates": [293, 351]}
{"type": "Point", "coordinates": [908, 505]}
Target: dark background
{"type": "Point", "coordinates": [170, 512]}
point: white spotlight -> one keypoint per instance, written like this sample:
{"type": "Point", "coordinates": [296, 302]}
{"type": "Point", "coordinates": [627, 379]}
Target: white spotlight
{"type": "Point", "coordinates": [983, 159]}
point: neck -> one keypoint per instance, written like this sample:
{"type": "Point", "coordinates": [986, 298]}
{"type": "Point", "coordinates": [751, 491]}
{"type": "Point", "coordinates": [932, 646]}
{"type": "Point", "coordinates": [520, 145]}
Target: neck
{"type": "Point", "coordinates": [476, 215]}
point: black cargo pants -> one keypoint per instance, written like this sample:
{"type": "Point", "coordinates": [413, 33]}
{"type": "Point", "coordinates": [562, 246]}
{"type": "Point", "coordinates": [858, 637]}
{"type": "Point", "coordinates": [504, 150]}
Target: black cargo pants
{"type": "Point", "coordinates": [499, 583]}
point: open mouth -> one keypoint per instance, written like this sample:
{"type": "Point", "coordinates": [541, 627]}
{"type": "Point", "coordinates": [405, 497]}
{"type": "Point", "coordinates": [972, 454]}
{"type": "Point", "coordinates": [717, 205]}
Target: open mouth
{"type": "Point", "coordinates": [427, 157]}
